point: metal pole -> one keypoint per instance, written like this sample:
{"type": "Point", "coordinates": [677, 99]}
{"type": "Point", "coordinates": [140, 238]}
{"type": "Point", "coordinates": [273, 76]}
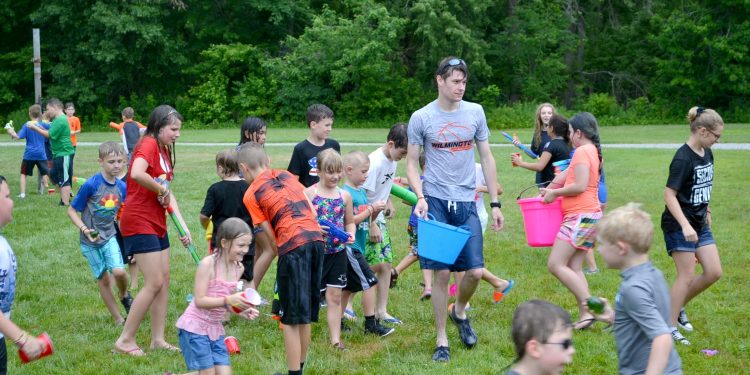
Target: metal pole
{"type": "Point", "coordinates": [37, 68]}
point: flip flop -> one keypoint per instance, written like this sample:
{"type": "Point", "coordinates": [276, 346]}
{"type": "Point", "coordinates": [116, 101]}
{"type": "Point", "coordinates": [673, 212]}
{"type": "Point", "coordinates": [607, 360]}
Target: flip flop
{"type": "Point", "coordinates": [135, 352]}
{"type": "Point", "coordinates": [584, 324]}
{"type": "Point", "coordinates": [166, 346]}
{"type": "Point", "coordinates": [497, 297]}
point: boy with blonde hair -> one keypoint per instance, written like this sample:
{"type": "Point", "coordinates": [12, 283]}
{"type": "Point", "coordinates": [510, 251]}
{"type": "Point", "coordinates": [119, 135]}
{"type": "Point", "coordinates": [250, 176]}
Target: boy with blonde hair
{"type": "Point", "coordinates": [642, 310]}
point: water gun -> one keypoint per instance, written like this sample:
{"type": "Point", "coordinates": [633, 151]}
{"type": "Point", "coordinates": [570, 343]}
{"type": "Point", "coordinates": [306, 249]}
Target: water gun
{"type": "Point", "coordinates": [520, 145]}
{"type": "Point", "coordinates": [9, 125]}
{"type": "Point", "coordinates": [562, 164]}
{"type": "Point", "coordinates": [334, 231]}
{"type": "Point", "coordinates": [190, 247]}
{"type": "Point", "coordinates": [78, 181]}
{"type": "Point", "coordinates": [406, 195]}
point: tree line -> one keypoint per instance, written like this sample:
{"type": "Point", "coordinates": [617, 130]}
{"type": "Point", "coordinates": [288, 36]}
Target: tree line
{"type": "Point", "coordinates": [374, 60]}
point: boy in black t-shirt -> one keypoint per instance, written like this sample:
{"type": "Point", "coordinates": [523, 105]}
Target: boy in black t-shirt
{"type": "Point", "coordinates": [304, 162]}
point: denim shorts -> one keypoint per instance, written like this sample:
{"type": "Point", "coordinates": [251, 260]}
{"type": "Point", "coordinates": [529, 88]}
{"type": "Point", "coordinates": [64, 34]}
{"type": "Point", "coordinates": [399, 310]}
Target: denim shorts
{"type": "Point", "coordinates": [145, 243]}
{"type": "Point", "coordinates": [103, 258]}
{"type": "Point", "coordinates": [458, 214]}
{"type": "Point", "coordinates": [675, 241]}
{"type": "Point", "coordinates": [201, 353]}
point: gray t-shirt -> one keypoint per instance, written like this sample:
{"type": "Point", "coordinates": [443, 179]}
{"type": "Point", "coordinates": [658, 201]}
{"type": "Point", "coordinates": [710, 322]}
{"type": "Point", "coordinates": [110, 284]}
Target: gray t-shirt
{"type": "Point", "coordinates": [98, 202]}
{"type": "Point", "coordinates": [641, 314]}
{"type": "Point", "coordinates": [448, 139]}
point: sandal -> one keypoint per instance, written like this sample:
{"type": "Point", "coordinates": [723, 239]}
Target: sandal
{"type": "Point", "coordinates": [497, 297]}
{"type": "Point", "coordinates": [339, 346]}
{"type": "Point", "coordinates": [584, 324]}
{"type": "Point", "coordinates": [426, 295]}
{"type": "Point", "coordinates": [135, 352]}
{"type": "Point", "coordinates": [394, 277]}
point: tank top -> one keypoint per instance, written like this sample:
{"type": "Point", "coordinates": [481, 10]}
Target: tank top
{"type": "Point", "coordinates": [333, 210]}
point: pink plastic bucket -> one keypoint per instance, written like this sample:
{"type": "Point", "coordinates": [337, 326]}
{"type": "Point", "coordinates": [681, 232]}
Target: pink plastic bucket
{"type": "Point", "coordinates": [541, 221]}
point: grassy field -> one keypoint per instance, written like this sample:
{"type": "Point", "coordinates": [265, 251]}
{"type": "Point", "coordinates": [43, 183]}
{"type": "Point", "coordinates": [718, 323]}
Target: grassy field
{"type": "Point", "coordinates": [55, 291]}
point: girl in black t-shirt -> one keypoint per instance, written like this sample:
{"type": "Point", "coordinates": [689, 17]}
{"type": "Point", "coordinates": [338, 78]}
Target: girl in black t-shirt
{"type": "Point", "coordinates": [686, 220]}
{"type": "Point", "coordinates": [557, 149]}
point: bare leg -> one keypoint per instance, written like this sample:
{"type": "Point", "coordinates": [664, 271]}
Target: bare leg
{"type": "Point", "coordinates": [383, 272]}
{"type": "Point", "coordinates": [591, 261]}
{"type": "Point", "coordinates": [440, 303]}
{"type": "Point", "coordinates": [133, 270]}
{"type": "Point", "coordinates": [708, 256]}
{"type": "Point", "coordinates": [23, 183]}
{"type": "Point", "coordinates": [467, 285]}
{"type": "Point", "coordinates": [121, 280]}
{"type": "Point", "coordinates": [408, 260]}
{"type": "Point", "coordinates": [159, 306]}
{"type": "Point", "coordinates": [293, 344]}
{"type": "Point", "coordinates": [368, 302]}
{"type": "Point", "coordinates": [261, 266]}
{"type": "Point", "coordinates": [105, 290]}
{"type": "Point", "coordinates": [333, 297]}
{"type": "Point", "coordinates": [559, 264]}
{"type": "Point", "coordinates": [65, 195]}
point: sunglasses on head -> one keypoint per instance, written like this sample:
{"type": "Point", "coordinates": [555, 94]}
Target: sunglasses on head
{"type": "Point", "coordinates": [451, 63]}
{"type": "Point", "coordinates": [566, 344]}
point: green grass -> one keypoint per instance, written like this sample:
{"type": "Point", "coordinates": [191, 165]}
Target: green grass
{"type": "Point", "coordinates": [55, 291]}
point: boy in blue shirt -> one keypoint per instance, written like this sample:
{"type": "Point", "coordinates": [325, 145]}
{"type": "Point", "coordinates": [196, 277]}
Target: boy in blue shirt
{"type": "Point", "coordinates": [34, 154]}
{"type": "Point", "coordinates": [98, 201]}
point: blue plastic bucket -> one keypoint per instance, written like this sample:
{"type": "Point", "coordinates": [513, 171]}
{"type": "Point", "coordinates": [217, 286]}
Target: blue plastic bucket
{"type": "Point", "coordinates": [440, 242]}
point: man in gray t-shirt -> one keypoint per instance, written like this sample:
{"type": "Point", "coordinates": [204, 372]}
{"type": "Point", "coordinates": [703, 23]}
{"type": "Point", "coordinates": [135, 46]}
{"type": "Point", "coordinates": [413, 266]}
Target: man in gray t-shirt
{"type": "Point", "coordinates": [449, 129]}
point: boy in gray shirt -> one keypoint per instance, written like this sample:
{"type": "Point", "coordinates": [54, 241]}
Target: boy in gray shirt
{"type": "Point", "coordinates": [641, 314]}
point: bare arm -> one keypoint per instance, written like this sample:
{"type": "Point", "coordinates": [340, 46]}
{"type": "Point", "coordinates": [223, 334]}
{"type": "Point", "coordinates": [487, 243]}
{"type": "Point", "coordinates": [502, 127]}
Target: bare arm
{"type": "Point", "coordinates": [673, 205]}
{"type": "Point", "coordinates": [659, 357]}
{"type": "Point", "coordinates": [581, 172]}
{"type": "Point", "coordinates": [349, 223]}
{"type": "Point", "coordinates": [39, 130]}
{"type": "Point", "coordinates": [412, 173]}
{"type": "Point", "coordinates": [537, 166]}
{"type": "Point", "coordinates": [205, 220]}
{"type": "Point", "coordinates": [73, 215]}
{"type": "Point", "coordinates": [490, 175]}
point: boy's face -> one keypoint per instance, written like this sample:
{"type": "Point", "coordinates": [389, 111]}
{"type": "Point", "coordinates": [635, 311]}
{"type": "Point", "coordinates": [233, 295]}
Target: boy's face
{"type": "Point", "coordinates": [557, 351]}
{"type": "Point", "coordinates": [321, 129]}
{"type": "Point", "coordinates": [395, 153]}
{"type": "Point", "coordinates": [70, 111]}
{"type": "Point", "coordinates": [6, 204]}
{"type": "Point", "coordinates": [112, 165]}
{"type": "Point", "coordinates": [452, 87]}
{"type": "Point", "coordinates": [357, 175]}
{"type": "Point", "coordinates": [52, 111]}
{"type": "Point", "coordinates": [613, 253]}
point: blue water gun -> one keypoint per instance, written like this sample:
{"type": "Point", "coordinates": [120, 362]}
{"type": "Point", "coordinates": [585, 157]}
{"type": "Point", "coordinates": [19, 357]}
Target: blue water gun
{"type": "Point", "coordinates": [520, 145]}
{"type": "Point", "coordinates": [334, 231]}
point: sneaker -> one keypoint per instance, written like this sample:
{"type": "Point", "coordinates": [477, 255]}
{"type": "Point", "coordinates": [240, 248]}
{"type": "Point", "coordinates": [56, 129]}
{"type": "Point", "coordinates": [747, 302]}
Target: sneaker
{"type": "Point", "coordinates": [21, 196]}
{"type": "Point", "coordinates": [468, 337]}
{"type": "Point", "coordinates": [127, 301]}
{"type": "Point", "coordinates": [350, 314]}
{"type": "Point", "coordinates": [683, 322]}
{"type": "Point", "coordinates": [392, 320]}
{"type": "Point", "coordinates": [442, 354]}
{"type": "Point", "coordinates": [394, 277]}
{"type": "Point", "coordinates": [379, 329]}
{"type": "Point", "coordinates": [678, 337]}
{"type": "Point", "coordinates": [589, 271]}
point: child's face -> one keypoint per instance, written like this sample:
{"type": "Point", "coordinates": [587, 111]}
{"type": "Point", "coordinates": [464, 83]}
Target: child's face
{"type": "Point", "coordinates": [238, 247]}
{"type": "Point", "coordinates": [611, 252]}
{"type": "Point", "coordinates": [557, 351]}
{"type": "Point", "coordinates": [395, 153]}
{"type": "Point", "coordinates": [321, 129]}
{"type": "Point", "coordinates": [259, 137]}
{"type": "Point", "coordinates": [357, 175]}
{"type": "Point", "coordinates": [545, 114]}
{"type": "Point", "coordinates": [6, 204]}
{"type": "Point", "coordinates": [330, 179]}
{"type": "Point", "coordinates": [70, 111]}
{"type": "Point", "coordinates": [112, 165]}
{"type": "Point", "coordinates": [710, 137]}
{"type": "Point", "coordinates": [168, 134]}
{"type": "Point", "coordinates": [52, 111]}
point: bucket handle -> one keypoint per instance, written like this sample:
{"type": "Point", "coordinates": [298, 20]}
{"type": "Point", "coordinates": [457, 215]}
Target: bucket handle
{"type": "Point", "coordinates": [529, 187]}
{"type": "Point", "coordinates": [464, 227]}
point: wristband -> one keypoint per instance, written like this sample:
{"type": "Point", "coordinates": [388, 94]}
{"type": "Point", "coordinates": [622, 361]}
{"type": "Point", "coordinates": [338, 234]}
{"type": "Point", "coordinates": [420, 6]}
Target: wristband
{"type": "Point", "coordinates": [81, 228]}
{"type": "Point", "coordinates": [496, 204]}
{"type": "Point", "coordinates": [226, 302]}
{"type": "Point", "coordinates": [420, 197]}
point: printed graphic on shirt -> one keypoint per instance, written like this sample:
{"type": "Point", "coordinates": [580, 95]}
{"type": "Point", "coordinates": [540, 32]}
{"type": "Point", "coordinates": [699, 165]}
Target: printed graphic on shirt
{"type": "Point", "coordinates": [387, 177]}
{"type": "Point", "coordinates": [107, 206]}
{"type": "Point", "coordinates": [703, 176]}
{"type": "Point", "coordinates": [447, 138]}
{"type": "Point", "coordinates": [313, 162]}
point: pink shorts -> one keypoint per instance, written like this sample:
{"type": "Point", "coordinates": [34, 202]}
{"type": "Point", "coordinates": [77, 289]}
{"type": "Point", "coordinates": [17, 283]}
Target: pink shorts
{"type": "Point", "coordinates": [579, 230]}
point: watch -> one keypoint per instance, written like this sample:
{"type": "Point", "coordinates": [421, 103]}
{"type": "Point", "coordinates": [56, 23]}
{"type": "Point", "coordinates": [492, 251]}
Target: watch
{"type": "Point", "coordinates": [496, 204]}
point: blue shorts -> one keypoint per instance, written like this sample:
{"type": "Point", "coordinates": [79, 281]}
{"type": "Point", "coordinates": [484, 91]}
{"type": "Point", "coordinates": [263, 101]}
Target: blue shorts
{"type": "Point", "coordinates": [201, 353]}
{"type": "Point", "coordinates": [675, 241]}
{"type": "Point", "coordinates": [145, 243]}
{"type": "Point", "coordinates": [103, 258]}
{"type": "Point", "coordinates": [458, 214]}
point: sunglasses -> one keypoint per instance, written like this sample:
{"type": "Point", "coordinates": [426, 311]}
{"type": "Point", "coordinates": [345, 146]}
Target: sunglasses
{"type": "Point", "coordinates": [566, 344]}
{"type": "Point", "coordinates": [451, 63]}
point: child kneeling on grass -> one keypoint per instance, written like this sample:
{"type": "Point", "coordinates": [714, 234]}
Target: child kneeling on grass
{"type": "Point", "coordinates": [542, 334]}
{"type": "Point", "coordinates": [30, 345]}
{"type": "Point", "coordinates": [98, 201]}
{"type": "Point", "coordinates": [277, 203]}
{"type": "Point", "coordinates": [642, 311]}
{"type": "Point", "coordinates": [200, 330]}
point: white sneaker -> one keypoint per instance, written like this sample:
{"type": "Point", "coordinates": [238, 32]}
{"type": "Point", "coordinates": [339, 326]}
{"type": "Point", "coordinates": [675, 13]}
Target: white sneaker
{"type": "Point", "coordinates": [678, 337]}
{"type": "Point", "coordinates": [683, 322]}
{"type": "Point", "coordinates": [22, 195]}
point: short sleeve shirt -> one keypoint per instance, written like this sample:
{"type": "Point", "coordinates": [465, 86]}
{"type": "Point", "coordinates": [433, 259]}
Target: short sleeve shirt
{"type": "Point", "coordinates": [59, 137]}
{"type": "Point", "coordinates": [642, 313]}
{"type": "Point", "coordinates": [379, 178]}
{"type": "Point", "coordinates": [278, 198]}
{"type": "Point", "coordinates": [224, 200]}
{"type": "Point", "coordinates": [304, 162]}
{"type": "Point", "coordinates": [359, 204]}
{"type": "Point", "coordinates": [8, 269]}
{"type": "Point", "coordinates": [538, 148]}
{"type": "Point", "coordinates": [448, 139]}
{"type": "Point", "coordinates": [75, 125]}
{"type": "Point", "coordinates": [559, 150]}
{"type": "Point", "coordinates": [34, 143]}
{"type": "Point", "coordinates": [98, 201]}
{"type": "Point", "coordinates": [588, 201]}
{"type": "Point", "coordinates": [692, 176]}
{"type": "Point", "coordinates": [144, 214]}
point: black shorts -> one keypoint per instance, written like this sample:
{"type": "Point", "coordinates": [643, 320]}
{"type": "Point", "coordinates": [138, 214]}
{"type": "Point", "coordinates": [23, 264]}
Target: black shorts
{"type": "Point", "coordinates": [126, 259]}
{"type": "Point", "coordinates": [145, 243]}
{"type": "Point", "coordinates": [62, 170]}
{"type": "Point", "coordinates": [248, 261]}
{"type": "Point", "coordinates": [359, 276]}
{"type": "Point", "coordinates": [27, 167]}
{"type": "Point", "coordinates": [334, 270]}
{"type": "Point", "coordinates": [298, 279]}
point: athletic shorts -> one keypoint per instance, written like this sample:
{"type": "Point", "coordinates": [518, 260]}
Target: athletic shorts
{"type": "Point", "coordinates": [62, 170]}
{"type": "Point", "coordinates": [145, 243]}
{"type": "Point", "coordinates": [27, 167]}
{"type": "Point", "coordinates": [675, 241]}
{"type": "Point", "coordinates": [579, 230]}
{"type": "Point", "coordinates": [103, 258]}
{"type": "Point", "coordinates": [202, 353]}
{"type": "Point", "coordinates": [359, 276]}
{"type": "Point", "coordinates": [412, 232]}
{"type": "Point", "coordinates": [379, 252]}
{"type": "Point", "coordinates": [459, 214]}
{"type": "Point", "coordinates": [334, 271]}
{"type": "Point", "coordinates": [298, 275]}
